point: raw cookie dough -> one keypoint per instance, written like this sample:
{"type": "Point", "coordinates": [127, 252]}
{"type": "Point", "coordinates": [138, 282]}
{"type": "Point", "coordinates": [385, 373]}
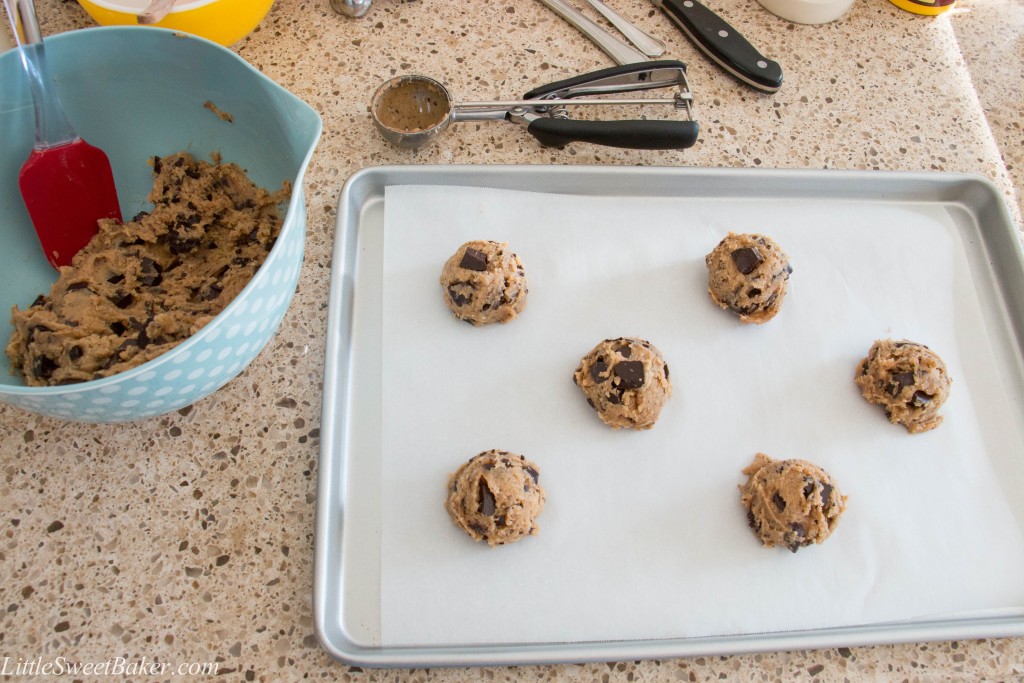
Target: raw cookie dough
{"type": "Point", "coordinates": [748, 274]}
{"type": "Point", "coordinates": [790, 502]}
{"type": "Point", "coordinates": [484, 282]}
{"type": "Point", "coordinates": [908, 380]}
{"type": "Point", "coordinates": [140, 288]}
{"type": "Point", "coordinates": [626, 381]}
{"type": "Point", "coordinates": [495, 497]}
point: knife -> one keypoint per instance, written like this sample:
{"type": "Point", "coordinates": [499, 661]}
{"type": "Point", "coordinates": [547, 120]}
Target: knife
{"type": "Point", "coordinates": [723, 44]}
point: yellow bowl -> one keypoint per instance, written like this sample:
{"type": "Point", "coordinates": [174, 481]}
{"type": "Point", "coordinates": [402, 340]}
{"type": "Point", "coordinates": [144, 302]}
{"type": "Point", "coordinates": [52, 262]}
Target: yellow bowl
{"type": "Point", "coordinates": [222, 21]}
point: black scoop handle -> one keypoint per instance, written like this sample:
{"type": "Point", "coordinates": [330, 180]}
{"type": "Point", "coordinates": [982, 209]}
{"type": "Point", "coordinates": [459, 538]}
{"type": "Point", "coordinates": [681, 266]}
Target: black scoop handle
{"type": "Point", "coordinates": [658, 134]}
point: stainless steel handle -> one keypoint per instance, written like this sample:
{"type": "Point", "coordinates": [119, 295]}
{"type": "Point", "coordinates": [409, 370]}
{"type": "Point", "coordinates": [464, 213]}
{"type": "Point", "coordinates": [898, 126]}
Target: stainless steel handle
{"type": "Point", "coordinates": [615, 48]}
{"type": "Point", "coordinates": [351, 8]}
{"type": "Point", "coordinates": [648, 44]}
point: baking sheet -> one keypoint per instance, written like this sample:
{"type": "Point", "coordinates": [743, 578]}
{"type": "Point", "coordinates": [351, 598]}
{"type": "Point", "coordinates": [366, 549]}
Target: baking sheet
{"type": "Point", "coordinates": [616, 554]}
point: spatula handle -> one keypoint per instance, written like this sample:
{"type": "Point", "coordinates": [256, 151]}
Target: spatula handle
{"type": "Point", "coordinates": [52, 125]}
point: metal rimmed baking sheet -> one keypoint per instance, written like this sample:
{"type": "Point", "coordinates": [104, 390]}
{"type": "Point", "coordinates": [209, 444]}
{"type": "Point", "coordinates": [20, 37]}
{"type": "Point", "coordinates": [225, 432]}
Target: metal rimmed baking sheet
{"type": "Point", "coordinates": [348, 585]}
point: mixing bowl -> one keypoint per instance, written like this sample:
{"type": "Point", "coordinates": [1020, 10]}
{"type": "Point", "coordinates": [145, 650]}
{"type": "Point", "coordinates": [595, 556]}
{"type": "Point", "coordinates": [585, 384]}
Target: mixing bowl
{"type": "Point", "coordinates": [222, 21]}
{"type": "Point", "coordinates": [135, 93]}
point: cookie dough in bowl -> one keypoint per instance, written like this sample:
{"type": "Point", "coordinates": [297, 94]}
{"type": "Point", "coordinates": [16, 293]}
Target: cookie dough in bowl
{"type": "Point", "coordinates": [496, 497]}
{"type": "Point", "coordinates": [484, 282]}
{"type": "Point", "coordinates": [749, 275]}
{"type": "Point", "coordinates": [140, 288]}
{"type": "Point", "coordinates": [271, 136]}
{"type": "Point", "coordinates": [791, 503]}
{"type": "Point", "coordinates": [908, 380]}
{"type": "Point", "coordinates": [626, 380]}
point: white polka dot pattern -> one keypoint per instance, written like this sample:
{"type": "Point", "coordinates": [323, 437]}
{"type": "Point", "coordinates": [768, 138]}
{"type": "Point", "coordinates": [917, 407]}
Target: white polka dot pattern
{"type": "Point", "coordinates": [198, 366]}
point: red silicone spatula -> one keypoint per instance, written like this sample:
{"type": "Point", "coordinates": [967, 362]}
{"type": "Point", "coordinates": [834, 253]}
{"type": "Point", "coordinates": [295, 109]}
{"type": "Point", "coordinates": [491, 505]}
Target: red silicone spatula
{"type": "Point", "coordinates": [66, 183]}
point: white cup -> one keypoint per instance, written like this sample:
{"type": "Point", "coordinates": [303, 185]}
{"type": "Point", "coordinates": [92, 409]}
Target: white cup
{"type": "Point", "coordinates": [807, 11]}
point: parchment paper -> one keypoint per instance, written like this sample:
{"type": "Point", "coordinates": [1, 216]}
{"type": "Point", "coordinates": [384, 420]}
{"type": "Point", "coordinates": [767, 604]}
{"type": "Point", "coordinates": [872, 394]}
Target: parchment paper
{"type": "Point", "coordinates": [643, 535]}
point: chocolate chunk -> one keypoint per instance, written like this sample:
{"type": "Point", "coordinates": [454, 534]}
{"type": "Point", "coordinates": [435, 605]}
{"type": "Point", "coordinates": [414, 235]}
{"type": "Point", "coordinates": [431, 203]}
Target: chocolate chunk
{"type": "Point", "coordinates": [117, 328]}
{"type": "Point", "coordinates": [598, 369]}
{"type": "Point", "coordinates": [615, 397]}
{"type": "Point", "coordinates": [81, 284]}
{"type": "Point", "coordinates": [458, 298]}
{"type": "Point", "coordinates": [900, 381]}
{"type": "Point", "coordinates": [920, 400]}
{"type": "Point", "coordinates": [797, 536]}
{"type": "Point", "coordinates": [666, 370]}
{"type": "Point", "coordinates": [752, 521]}
{"type": "Point", "coordinates": [39, 300]}
{"type": "Point", "coordinates": [534, 474]}
{"type": "Point", "coordinates": [780, 503]}
{"type": "Point", "coordinates": [115, 279]}
{"type": "Point", "coordinates": [157, 165]}
{"type": "Point", "coordinates": [753, 291]}
{"type": "Point", "coordinates": [826, 494]}
{"type": "Point", "coordinates": [625, 350]}
{"type": "Point", "coordinates": [630, 374]}
{"type": "Point", "coordinates": [212, 292]}
{"type": "Point", "coordinates": [474, 259]}
{"type": "Point", "coordinates": [43, 367]}
{"type": "Point", "coordinates": [809, 486]}
{"type": "Point", "coordinates": [75, 352]}
{"type": "Point", "coordinates": [747, 259]}
{"type": "Point", "coordinates": [485, 499]}
{"type": "Point", "coordinates": [151, 280]}
{"type": "Point", "coordinates": [123, 301]}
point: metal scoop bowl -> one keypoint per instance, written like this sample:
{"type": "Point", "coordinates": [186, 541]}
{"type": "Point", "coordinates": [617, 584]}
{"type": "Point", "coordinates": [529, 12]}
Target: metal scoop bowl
{"type": "Point", "coordinates": [411, 111]}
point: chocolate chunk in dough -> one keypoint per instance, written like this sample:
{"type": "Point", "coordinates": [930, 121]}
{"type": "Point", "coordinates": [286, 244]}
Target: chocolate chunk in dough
{"type": "Point", "coordinates": [749, 275]}
{"type": "Point", "coordinates": [496, 497]}
{"type": "Point", "coordinates": [626, 381]}
{"type": "Point", "coordinates": [908, 380]}
{"type": "Point", "coordinates": [484, 282]}
{"type": "Point", "coordinates": [747, 259]}
{"type": "Point", "coordinates": [124, 300]}
{"type": "Point", "coordinates": [791, 503]}
{"type": "Point", "coordinates": [474, 259]}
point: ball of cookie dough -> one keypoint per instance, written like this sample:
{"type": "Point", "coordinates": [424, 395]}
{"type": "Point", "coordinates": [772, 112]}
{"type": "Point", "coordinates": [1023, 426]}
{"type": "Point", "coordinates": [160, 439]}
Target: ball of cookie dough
{"type": "Point", "coordinates": [626, 381]}
{"type": "Point", "coordinates": [908, 380]}
{"type": "Point", "coordinates": [496, 497]}
{"type": "Point", "coordinates": [791, 503]}
{"type": "Point", "coordinates": [484, 282]}
{"type": "Point", "coordinates": [748, 274]}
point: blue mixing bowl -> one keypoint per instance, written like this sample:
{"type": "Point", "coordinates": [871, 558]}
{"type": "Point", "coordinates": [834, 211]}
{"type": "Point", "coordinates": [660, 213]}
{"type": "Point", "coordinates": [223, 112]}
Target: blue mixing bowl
{"type": "Point", "coordinates": [138, 92]}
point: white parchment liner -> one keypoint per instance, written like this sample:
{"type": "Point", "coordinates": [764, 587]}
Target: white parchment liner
{"type": "Point", "coordinates": [643, 535]}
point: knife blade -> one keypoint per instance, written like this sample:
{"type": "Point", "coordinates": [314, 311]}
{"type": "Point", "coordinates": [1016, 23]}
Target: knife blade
{"type": "Point", "coordinates": [723, 44]}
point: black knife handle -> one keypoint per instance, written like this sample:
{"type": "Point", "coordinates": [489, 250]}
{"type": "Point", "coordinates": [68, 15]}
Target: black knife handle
{"type": "Point", "coordinates": [724, 44]}
{"type": "Point", "coordinates": [657, 134]}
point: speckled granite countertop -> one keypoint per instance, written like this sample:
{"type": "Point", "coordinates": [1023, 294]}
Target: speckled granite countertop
{"type": "Point", "coordinates": [189, 538]}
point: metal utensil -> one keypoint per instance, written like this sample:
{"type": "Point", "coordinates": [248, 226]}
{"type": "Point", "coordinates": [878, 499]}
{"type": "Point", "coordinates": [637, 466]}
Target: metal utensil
{"type": "Point", "coordinates": [645, 42]}
{"type": "Point", "coordinates": [351, 8]}
{"type": "Point", "coordinates": [157, 10]}
{"type": "Point", "coordinates": [410, 111]}
{"type": "Point", "coordinates": [615, 48]}
{"type": "Point", "coordinates": [66, 183]}
{"type": "Point", "coordinates": [723, 44]}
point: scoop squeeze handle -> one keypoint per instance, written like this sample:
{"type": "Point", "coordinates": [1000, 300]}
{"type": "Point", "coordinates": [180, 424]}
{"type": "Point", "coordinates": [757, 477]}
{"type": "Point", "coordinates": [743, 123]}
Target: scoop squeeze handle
{"type": "Point", "coordinates": [625, 134]}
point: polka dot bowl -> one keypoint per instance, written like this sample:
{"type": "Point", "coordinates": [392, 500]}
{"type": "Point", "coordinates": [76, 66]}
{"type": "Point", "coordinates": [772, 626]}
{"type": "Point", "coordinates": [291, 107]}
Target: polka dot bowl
{"type": "Point", "coordinates": [138, 92]}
